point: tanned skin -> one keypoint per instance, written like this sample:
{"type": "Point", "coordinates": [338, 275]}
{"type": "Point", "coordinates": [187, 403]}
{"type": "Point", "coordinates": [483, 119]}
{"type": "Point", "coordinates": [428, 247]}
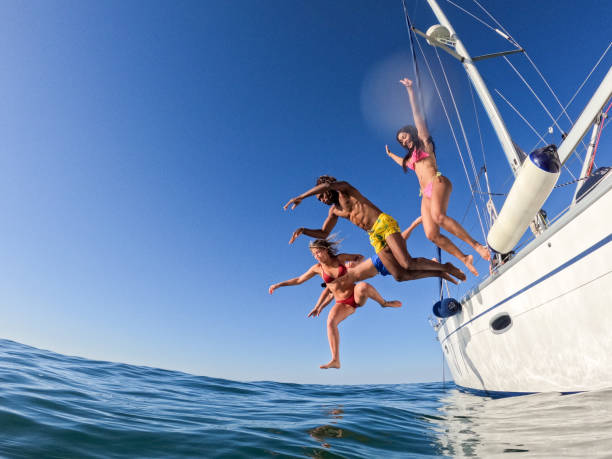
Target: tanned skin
{"type": "Point", "coordinates": [347, 202]}
{"type": "Point", "coordinates": [340, 288]}
{"type": "Point", "coordinates": [433, 209]}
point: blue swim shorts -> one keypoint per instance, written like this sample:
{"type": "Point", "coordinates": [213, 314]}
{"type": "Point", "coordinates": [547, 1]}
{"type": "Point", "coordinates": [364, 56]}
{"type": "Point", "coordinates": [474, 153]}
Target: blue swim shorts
{"type": "Point", "coordinates": [379, 266]}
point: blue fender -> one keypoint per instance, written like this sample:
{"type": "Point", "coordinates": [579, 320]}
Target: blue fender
{"type": "Point", "coordinates": [446, 308]}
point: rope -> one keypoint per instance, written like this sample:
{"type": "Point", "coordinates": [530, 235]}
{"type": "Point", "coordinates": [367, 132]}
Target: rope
{"type": "Point", "coordinates": [556, 186]}
{"type": "Point", "coordinates": [467, 145]}
{"type": "Point", "coordinates": [417, 74]}
{"type": "Point", "coordinates": [439, 253]}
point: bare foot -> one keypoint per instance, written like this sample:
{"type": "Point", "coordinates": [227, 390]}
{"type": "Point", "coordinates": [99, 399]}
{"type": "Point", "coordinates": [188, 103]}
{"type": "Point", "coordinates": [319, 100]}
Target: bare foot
{"type": "Point", "coordinates": [452, 269]}
{"type": "Point", "coordinates": [483, 252]}
{"type": "Point", "coordinates": [332, 364]}
{"type": "Point", "coordinates": [392, 304]}
{"type": "Point", "coordinates": [469, 263]}
{"type": "Point", "coordinates": [448, 277]}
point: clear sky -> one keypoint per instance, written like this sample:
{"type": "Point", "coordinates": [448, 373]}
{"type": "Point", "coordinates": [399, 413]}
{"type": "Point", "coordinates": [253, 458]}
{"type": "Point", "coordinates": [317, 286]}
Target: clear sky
{"type": "Point", "coordinates": [147, 148]}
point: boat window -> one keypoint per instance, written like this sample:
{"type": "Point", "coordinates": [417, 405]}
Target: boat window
{"type": "Point", "coordinates": [501, 323]}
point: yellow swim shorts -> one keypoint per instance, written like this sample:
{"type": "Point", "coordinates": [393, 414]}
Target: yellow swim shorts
{"type": "Point", "coordinates": [384, 226]}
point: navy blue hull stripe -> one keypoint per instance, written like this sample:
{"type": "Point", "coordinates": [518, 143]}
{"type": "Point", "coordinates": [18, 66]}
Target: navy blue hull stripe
{"type": "Point", "coordinates": [581, 255]}
{"type": "Point", "coordinates": [501, 394]}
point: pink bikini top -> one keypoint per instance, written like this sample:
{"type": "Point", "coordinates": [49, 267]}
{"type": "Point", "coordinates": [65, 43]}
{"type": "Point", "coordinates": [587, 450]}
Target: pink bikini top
{"type": "Point", "coordinates": [417, 155]}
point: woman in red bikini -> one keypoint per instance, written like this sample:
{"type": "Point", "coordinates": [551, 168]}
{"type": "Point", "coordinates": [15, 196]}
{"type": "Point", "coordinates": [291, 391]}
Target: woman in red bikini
{"type": "Point", "coordinates": [348, 295]}
{"type": "Point", "coordinates": [435, 188]}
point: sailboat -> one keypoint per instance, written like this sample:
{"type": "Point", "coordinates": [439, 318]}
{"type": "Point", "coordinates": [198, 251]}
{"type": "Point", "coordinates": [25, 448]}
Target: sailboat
{"type": "Point", "coordinates": [542, 320]}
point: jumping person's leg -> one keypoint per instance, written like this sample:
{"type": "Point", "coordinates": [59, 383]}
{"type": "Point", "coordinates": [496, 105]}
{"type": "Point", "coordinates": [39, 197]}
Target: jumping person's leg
{"type": "Point", "coordinates": [363, 291]}
{"type": "Point", "coordinates": [440, 197]}
{"type": "Point", "coordinates": [432, 232]}
{"type": "Point", "coordinates": [401, 275]}
{"type": "Point", "coordinates": [338, 313]}
{"type": "Point", "coordinates": [362, 271]}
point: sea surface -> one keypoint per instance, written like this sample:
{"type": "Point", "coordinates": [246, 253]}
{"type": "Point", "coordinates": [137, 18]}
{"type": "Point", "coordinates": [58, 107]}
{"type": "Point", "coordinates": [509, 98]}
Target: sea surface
{"type": "Point", "coordinates": [52, 405]}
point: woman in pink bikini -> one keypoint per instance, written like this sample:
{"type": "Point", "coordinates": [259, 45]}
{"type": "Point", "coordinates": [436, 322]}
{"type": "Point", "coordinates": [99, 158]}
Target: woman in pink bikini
{"type": "Point", "coordinates": [348, 295]}
{"type": "Point", "coordinates": [435, 188]}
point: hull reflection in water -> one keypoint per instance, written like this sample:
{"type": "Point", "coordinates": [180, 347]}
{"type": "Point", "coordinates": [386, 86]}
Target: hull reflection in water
{"type": "Point", "coordinates": [537, 425]}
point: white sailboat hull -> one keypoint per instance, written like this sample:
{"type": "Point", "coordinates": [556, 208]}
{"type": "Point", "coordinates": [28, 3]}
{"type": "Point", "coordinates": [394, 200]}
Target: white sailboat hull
{"type": "Point", "coordinates": [558, 294]}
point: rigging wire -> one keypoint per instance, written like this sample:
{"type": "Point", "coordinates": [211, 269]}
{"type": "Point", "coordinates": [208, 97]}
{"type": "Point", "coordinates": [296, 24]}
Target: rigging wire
{"type": "Point", "coordinates": [514, 42]}
{"type": "Point", "coordinates": [484, 169]}
{"type": "Point", "coordinates": [472, 15]}
{"type": "Point", "coordinates": [519, 114]}
{"type": "Point", "coordinates": [533, 64]}
{"type": "Point", "coordinates": [415, 64]}
{"type": "Point", "coordinates": [509, 37]}
{"type": "Point", "coordinates": [535, 95]}
{"type": "Point", "coordinates": [564, 109]}
{"type": "Point", "coordinates": [467, 145]}
{"type": "Point", "coordinates": [450, 124]}
{"type": "Point", "coordinates": [529, 124]}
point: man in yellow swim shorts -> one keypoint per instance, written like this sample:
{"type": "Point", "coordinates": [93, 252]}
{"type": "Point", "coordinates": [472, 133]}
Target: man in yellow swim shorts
{"type": "Point", "coordinates": [385, 226]}
{"type": "Point", "coordinates": [347, 202]}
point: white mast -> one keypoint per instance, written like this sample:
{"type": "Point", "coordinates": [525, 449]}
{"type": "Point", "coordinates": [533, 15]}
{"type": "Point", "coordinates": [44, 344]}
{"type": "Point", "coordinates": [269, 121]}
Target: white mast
{"type": "Point", "coordinates": [482, 91]}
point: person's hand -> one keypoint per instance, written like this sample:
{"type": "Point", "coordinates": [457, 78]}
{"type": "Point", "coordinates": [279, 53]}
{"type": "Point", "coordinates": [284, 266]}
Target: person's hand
{"type": "Point", "coordinates": [272, 288]}
{"type": "Point", "coordinates": [295, 235]}
{"type": "Point", "coordinates": [294, 201]}
{"type": "Point", "coordinates": [406, 82]}
{"type": "Point", "coordinates": [389, 153]}
{"type": "Point", "coordinates": [315, 312]}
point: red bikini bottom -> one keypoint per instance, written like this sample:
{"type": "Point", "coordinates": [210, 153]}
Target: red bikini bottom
{"type": "Point", "coordinates": [350, 301]}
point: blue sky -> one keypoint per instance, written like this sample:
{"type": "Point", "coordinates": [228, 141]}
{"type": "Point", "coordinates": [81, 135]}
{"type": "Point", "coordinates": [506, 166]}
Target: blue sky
{"type": "Point", "coordinates": [147, 149]}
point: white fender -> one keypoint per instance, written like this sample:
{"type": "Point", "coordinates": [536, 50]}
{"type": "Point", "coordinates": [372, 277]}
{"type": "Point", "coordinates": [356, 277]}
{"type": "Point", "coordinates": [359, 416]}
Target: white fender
{"type": "Point", "coordinates": [533, 185]}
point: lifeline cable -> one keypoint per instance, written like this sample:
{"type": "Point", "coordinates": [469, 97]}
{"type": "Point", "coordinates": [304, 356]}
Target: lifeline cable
{"type": "Point", "coordinates": [414, 59]}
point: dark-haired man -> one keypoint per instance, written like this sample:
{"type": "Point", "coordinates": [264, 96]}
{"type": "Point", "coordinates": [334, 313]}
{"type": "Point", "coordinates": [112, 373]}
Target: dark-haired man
{"type": "Point", "coordinates": [385, 236]}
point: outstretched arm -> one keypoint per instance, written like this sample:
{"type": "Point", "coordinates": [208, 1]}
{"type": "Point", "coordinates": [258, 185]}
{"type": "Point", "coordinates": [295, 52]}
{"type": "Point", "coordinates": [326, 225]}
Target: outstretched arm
{"type": "Point", "coordinates": [321, 188]}
{"type": "Point", "coordinates": [419, 119]}
{"type": "Point", "coordinates": [295, 281]}
{"type": "Point", "coordinates": [325, 298]}
{"type": "Point", "coordinates": [328, 226]}
{"type": "Point", "coordinates": [406, 233]}
{"type": "Point", "coordinates": [353, 258]}
{"type": "Point", "coordinates": [398, 159]}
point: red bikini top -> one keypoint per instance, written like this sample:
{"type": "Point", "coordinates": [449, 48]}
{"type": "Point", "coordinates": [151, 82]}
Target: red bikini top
{"type": "Point", "coordinates": [327, 278]}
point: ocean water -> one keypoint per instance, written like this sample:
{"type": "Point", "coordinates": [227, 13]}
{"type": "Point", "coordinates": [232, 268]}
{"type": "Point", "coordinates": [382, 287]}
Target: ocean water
{"type": "Point", "coordinates": [52, 405]}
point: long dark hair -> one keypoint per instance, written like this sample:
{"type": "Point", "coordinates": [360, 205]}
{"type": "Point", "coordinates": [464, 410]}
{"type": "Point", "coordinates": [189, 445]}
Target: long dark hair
{"type": "Point", "coordinates": [417, 143]}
